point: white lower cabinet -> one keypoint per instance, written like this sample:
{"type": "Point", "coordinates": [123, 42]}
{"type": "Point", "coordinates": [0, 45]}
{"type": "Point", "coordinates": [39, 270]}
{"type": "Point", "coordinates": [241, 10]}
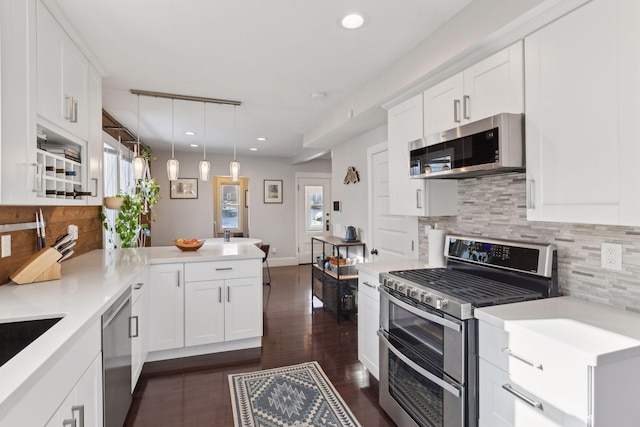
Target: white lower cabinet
{"type": "Point", "coordinates": [529, 380]}
{"type": "Point", "coordinates": [139, 325]}
{"type": "Point", "coordinates": [166, 306]}
{"type": "Point", "coordinates": [368, 322]}
{"type": "Point", "coordinates": [220, 301]}
{"type": "Point", "coordinates": [83, 405]}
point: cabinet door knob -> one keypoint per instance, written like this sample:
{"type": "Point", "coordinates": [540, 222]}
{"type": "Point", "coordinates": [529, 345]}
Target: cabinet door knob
{"type": "Point", "coordinates": [374, 252]}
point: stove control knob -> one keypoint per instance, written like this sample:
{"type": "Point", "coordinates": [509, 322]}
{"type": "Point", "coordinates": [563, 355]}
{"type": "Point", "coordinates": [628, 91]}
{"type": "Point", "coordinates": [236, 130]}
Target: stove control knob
{"type": "Point", "coordinates": [399, 287]}
{"type": "Point", "coordinates": [425, 297]}
{"type": "Point", "coordinates": [387, 282]}
{"type": "Point", "coordinates": [411, 292]}
{"type": "Point", "coordinates": [442, 304]}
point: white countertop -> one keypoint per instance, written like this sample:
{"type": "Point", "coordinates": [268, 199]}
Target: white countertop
{"type": "Point", "coordinates": [375, 268]}
{"type": "Point", "coordinates": [90, 283]}
{"type": "Point", "coordinates": [603, 334]}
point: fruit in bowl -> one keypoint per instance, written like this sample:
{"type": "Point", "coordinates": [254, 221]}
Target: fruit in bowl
{"type": "Point", "coordinates": [188, 245]}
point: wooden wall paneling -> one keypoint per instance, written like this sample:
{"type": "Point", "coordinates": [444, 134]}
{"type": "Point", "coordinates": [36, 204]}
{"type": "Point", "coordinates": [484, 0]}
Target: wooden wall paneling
{"type": "Point", "coordinates": [57, 218]}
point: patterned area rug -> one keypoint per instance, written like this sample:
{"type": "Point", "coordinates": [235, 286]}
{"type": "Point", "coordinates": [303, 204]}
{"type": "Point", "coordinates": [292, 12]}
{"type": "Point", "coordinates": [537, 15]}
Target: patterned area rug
{"type": "Point", "coordinates": [293, 396]}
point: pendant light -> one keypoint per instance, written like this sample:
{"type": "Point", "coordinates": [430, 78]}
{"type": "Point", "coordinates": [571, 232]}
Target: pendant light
{"type": "Point", "coordinates": [235, 165]}
{"type": "Point", "coordinates": [172, 165]}
{"type": "Point", "coordinates": [204, 166]}
{"type": "Point", "coordinates": [139, 163]}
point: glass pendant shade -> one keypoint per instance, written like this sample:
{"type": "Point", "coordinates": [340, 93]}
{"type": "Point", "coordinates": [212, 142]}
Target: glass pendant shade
{"type": "Point", "coordinates": [205, 169]}
{"type": "Point", "coordinates": [138, 166]}
{"type": "Point", "coordinates": [172, 169]}
{"type": "Point", "coordinates": [235, 170]}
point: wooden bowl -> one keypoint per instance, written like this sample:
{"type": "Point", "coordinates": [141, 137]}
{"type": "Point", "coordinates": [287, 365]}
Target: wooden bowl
{"type": "Point", "coordinates": [189, 246]}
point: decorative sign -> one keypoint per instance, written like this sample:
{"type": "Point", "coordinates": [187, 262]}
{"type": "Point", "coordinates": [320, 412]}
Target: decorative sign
{"type": "Point", "coordinates": [352, 175]}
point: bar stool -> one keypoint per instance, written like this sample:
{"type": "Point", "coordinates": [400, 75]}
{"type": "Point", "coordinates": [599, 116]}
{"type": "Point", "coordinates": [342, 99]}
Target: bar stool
{"type": "Point", "coordinates": [265, 249]}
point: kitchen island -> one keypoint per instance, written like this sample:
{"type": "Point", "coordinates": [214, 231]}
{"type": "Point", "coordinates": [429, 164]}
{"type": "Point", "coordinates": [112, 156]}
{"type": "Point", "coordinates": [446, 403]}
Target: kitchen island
{"type": "Point", "coordinates": [43, 374]}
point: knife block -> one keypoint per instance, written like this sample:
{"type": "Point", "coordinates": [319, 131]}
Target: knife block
{"type": "Point", "coordinates": [40, 267]}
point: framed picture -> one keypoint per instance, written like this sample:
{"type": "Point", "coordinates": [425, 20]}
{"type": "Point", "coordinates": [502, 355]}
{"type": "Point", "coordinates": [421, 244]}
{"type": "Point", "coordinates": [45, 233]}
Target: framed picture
{"type": "Point", "coordinates": [184, 188]}
{"type": "Point", "coordinates": [273, 191]}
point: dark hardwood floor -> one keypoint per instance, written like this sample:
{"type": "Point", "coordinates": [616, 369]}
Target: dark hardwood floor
{"type": "Point", "coordinates": [195, 391]}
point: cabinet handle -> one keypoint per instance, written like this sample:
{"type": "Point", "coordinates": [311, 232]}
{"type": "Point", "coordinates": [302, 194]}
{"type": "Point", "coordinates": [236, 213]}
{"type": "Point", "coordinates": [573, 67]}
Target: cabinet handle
{"type": "Point", "coordinates": [369, 285]}
{"type": "Point", "coordinates": [522, 397]}
{"type": "Point", "coordinates": [522, 359]}
{"type": "Point", "coordinates": [465, 107]}
{"type": "Point", "coordinates": [74, 119]}
{"type": "Point", "coordinates": [137, 327]}
{"type": "Point", "coordinates": [531, 195]}
{"type": "Point", "coordinates": [68, 115]}
{"type": "Point", "coordinates": [138, 285]}
{"type": "Point", "coordinates": [456, 110]}
{"type": "Point", "coordinates": [228, 294]}
{"type": "Point", "coordinates": [80, 409]}
{"type": "Point", "coordinates": [224, 269]}
{"type": "Point", "coordinates": [94, 193]}
{"type": "Point", "coordinates": [220, 294]}
{"type": "Point", "coordinates": [178, 274]}
{"type": "Point", "coordinates": [71, 422]}
{"type": "Point", "coordinates": [419, 199]}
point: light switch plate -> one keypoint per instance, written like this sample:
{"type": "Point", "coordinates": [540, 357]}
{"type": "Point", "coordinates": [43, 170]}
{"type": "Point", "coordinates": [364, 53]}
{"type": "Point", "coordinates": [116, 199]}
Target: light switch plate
{"type": "Point", "coordinates": [6, 245]}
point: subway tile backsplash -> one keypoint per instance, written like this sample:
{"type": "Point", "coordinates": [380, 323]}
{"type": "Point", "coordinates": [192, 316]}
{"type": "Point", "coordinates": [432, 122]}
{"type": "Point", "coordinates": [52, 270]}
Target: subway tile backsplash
{"type": "Point", "coordinates": [494, 206]}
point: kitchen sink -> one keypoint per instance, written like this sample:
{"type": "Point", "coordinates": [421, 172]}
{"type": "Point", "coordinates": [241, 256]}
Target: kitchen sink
{"type": "Point", "coordinates": [15, 336]}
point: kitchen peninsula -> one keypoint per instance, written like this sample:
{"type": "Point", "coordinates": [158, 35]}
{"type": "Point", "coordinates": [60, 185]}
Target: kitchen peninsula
{"type": "Point", "coordinates": [65, 364]}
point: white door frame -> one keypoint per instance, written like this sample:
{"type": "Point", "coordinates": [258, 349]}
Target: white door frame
{"type": "Point", "coordinates": [297, 176]}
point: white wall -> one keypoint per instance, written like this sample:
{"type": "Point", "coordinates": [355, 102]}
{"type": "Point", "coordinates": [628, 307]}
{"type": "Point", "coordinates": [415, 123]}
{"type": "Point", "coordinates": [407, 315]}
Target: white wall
{"type": "Point", "coordinates": [193, 218]}
{"type": "Point", "coordinates": [354, 197]}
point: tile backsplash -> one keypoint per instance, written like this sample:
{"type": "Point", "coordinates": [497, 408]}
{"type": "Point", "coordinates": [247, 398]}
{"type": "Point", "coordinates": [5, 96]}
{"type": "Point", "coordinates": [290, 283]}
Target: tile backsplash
{"type": "Point", "coordinates": [494, 206]}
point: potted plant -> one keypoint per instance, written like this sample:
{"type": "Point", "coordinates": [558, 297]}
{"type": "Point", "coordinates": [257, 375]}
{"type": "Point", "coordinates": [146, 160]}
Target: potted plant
{"type": "Point", "coordinates": [128, 224]}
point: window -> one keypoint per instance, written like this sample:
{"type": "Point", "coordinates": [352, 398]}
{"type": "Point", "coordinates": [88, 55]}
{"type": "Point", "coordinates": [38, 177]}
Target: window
{"type": "Point", "coordinates": [231, 211]}
{"type": "Point", "coordinates": [118, 177]}
{"type": "Point", "coordinates": [314, 207]}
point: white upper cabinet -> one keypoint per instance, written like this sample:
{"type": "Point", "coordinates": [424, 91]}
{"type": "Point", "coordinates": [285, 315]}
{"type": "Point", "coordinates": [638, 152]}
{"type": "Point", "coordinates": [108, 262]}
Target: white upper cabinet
{"type": "Point", "coordinates": [414, 197]}
{"type": "Point", "coordinates": [582, 109]}
{"type": "Point", "coordinates": [492, 86]}
{"type": "Point", "coordinates": [63, 77]}
{"type": "Point", "coordinates": [49, 89]}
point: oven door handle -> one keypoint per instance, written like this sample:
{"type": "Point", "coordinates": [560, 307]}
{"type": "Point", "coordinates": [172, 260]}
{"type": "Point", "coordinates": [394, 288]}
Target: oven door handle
{"type": "Point", "coordinates": [424, 314]}
{"type": "Point", "coordinates": [450, 387]}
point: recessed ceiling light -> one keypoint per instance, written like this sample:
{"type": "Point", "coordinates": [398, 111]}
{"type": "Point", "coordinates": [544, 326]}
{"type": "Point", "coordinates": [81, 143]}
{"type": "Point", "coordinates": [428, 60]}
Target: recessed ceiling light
{"type": "Point", "coordinates": [352, 21]}
{"type": "Point", "coordinates": [318, 94]}
{"type": "Point", "coordinates": [261, 138]}
{"type": "Point", "coordinates": [190, 133]}
{"type": "Point", "coordinates": [193, 145]}
{"type": "Point", "coordinates": [253, 149]}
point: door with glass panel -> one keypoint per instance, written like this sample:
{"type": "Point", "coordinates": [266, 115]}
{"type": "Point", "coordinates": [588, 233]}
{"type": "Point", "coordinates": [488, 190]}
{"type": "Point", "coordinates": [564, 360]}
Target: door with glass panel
{"type": "Point", "coordinates": [230, 206]}
{"type": "Point", "coordinates": [314, 214]}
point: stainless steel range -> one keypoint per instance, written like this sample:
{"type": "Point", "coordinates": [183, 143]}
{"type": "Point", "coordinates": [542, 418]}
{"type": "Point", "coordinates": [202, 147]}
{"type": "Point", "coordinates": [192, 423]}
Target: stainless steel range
{"type": "Point", "coordinates": [428, 338]}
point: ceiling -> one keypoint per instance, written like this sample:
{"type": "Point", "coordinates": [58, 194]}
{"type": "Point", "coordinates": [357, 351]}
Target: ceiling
{"type": "Point", "coordinates": [269, 55]}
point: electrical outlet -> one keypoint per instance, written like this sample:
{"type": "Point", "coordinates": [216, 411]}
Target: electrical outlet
{"type": "Point", "coordinates": [274, 250]}
{"type": "Point", "coordinates": [73, 231]}
{"type": "Point", "coordinates": [611, 256]}
{"type": "Point", "coordinates": [6, 245]}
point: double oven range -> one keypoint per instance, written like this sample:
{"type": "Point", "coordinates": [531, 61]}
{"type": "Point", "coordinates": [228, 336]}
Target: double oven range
{"type": "Point", "coordinates": [428, 335]}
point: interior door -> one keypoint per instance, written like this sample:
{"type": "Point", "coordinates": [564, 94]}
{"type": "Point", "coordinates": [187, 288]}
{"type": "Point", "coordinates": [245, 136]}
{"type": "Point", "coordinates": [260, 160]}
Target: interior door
{"type": "Point", "coordinates": [314, 214]}
{"type": "Point", "coordinates": [394, 237]}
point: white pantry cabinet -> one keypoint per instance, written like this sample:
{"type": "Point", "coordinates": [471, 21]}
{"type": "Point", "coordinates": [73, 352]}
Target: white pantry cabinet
{"type": "Point", "coordinates": [166, 306]}
{"type": "Point", "coordinates": [414, 197]}
{"type": "Point", "coordinates": [139, 325]}
{"type": "Point", "coordinates": [368, 322]}
{"type": "Point", "coordinates": [489, 87]}
{"type": "Point", "coordinates": [582, 108]}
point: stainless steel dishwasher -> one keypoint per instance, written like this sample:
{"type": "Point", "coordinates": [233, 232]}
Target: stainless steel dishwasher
{"type": "Point", "coordinates": [116, 361]}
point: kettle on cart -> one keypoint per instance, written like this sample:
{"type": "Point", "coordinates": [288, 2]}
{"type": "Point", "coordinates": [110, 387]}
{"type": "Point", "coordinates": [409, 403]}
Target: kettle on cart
{"type": "Point", "coordinates": [351, 234]}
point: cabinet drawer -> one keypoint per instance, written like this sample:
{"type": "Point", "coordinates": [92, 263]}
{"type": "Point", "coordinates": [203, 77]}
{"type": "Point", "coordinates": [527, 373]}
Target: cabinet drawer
{"type": "Point", "coordinates": [500, 407]}
{"type": "Point", "coordinates": [368, 285]}
{"type": "Point", "coordinates": [214, 270]}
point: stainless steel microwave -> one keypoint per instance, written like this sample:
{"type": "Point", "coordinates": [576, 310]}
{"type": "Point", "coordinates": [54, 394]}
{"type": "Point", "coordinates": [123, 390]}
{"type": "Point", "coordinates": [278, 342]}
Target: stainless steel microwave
{"type": "Point", "coordinates": [488, 146]}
